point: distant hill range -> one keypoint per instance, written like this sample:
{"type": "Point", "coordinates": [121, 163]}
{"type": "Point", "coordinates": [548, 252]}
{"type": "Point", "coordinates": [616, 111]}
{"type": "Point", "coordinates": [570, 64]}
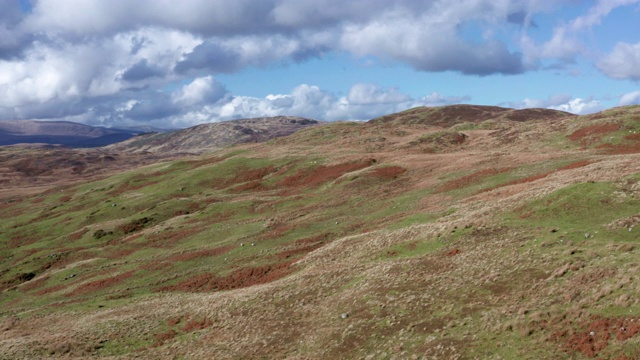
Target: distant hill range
{"type": "Point", "coordinates": [214, 136]}
{"type": "Point", "coordinates": [446, 116]}
{"type": "Point", "coordinates": [60, 132]}
{"type": "Point", "coordinates": [195, 139]}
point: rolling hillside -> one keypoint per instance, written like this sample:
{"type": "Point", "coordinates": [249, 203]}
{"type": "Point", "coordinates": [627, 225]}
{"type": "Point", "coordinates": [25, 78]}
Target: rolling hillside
{"type": "Point", "coordinates": [430, 234]}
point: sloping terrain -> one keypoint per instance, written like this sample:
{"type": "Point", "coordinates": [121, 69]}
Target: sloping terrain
{"type": "Point", "coordinates": [215, 136]}
{"type": "Point", "coordinates": [26, 169]}
{"type": "Point", "coordinates": [60, 133]}
{"type": "Point", "coordinates": [499, 238]}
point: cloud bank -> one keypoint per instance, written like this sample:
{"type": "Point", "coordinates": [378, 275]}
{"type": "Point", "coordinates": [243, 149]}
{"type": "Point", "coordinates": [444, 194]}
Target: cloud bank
{"type": "Point", "coordinates": [115, 62]}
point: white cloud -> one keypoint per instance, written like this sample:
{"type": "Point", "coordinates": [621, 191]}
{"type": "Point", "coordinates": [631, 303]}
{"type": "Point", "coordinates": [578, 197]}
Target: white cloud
{"type": "Point", "coordinates": [632, 98]}
{"type": "Point", "coordinates": [623, 62]}
{"type": "Point", "coordinates": [204, 90]}
{"type": "Point", "coordinates": [579, 106]}
{"type": "Point", "coordinates": [367, 94]}
{"type": "Point", "coordinates": [555, 100]}
{"type": "Point", "coordinates": [84, 59]}
{"type": "Point", "coordinates": [105, 17]}
{"type": "Point", "coordinates": [567, 42]}
{"type": "Point", "coordinates": [247, 32]}
{"type": "Point", "coordinates": [562, 102]}
{"type": "Point", "coordinates": [431, 42]}
{"type": "Point", "coordinates": [364, 102]}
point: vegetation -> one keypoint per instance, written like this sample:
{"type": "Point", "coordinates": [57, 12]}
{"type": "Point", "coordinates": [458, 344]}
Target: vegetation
{"type": "Point", "coordinates": [493, 238]}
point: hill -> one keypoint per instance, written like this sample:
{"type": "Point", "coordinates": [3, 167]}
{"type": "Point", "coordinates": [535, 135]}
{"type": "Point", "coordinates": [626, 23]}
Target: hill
{"type": "Point", "coordinates": [214, 136]}
{"type": "Point", "coordinates": [457, 114]}
{"type": "Point", "coordinates": [59, 132]}
{"type": "Point", "coordinates": [490, 238]}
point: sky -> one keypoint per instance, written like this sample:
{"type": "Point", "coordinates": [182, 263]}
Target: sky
{"type": "Point", "coordinates": [174, 64]}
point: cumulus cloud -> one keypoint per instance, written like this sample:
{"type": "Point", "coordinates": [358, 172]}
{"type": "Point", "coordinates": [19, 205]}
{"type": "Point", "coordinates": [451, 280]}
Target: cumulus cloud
{"type": "Point", "coordinates": [13, 40]}
{"type": "Point", "coordinates": [632, 98]}
{"type": "Point", "coordinates": [562, 102]}
{"type": "Point", "coordinates": [432, 43]}
{"type": "Point", "coordinates": [579, 106]}
{"type": "Point", "coordinates": [366, 94]}
{"type": "Point", "coordinates": [109, 61]}
{"type": "Point", "coordinates": [140, 71]}
{"type": "Point", "coordinates": [363, 102]}
{"type": "Point", "coordinates": [202, 90]}
{"type": "Point", "coordinates": [240, 33]}
{"type": "Point", "coordinates": [566, 42]}
{"type": "Point", "coordinates": [554, 100]}
{"type": "Point", "coordinates": [623, 62]}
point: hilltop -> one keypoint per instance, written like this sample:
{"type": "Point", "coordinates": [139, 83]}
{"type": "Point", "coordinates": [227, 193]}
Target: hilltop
{"type": "Point", "coordinates": [457, 114]}
{"type": "Point", "coordinates": [453, 232]}
{"type": "Point", "coordinates": [214, 136]}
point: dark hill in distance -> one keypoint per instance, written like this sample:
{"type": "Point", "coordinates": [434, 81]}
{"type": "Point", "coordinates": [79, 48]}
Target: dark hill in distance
{"type": "Point", "coordinates": [60, 133]}
{"type": "Point", "coordinates": [215, 136]}
{"type": "Point", "coordinates": [456, 114]}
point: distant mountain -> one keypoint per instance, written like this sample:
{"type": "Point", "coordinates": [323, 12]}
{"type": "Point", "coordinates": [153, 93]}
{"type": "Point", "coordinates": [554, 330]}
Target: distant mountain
{"type": "Point", "coordinates": [455, 114]}
{"type": "Point", "coordinates": [60, 132]}
{"type": "Point", "coordinates": [215, 136]}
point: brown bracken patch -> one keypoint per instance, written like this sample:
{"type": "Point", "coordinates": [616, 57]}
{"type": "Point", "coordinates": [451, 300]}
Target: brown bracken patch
{"type": "Point", "coordinates": [322, 174]}
{"type": "Point", "coordinates": [595, 337]}
{"type": "Point", "coordinates": [135, 225]}
{"type": "Point", "coordinates": [78, 234]}
{"type": "Point", "coordinates": [243, 277]}
{"type": "Point", "coordinates": [164, 337]}
{"type": "Point", "coordinates": [387, 172]}
{"type": "Point", "coordinates": [598, 129]}
{"type": "Point", "coordinates": [620, 149]}
{"type": "Point", "coordinates": [100, 284]}
{"type": "Point", "coordinates": [575, 165]}
{"type": "Point", "coordinates": [453, 252]}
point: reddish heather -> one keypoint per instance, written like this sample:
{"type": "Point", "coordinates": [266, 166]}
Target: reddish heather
{"type": "Point", "coordinates": [239, 278]}
{"type": "Point", "coordinates": [322, 174]}
{"type": "Point", "coordinates": [100, 284]}
{"type": "Point", "coordinates": [195, 325]}
{"type": "Point", "coordinates": [51, 289]}
{"type": "Point", "coordinates": [163, 337]}
{"type": "Point", "coordinates": [598, 129]}
{"type": "Point", "coordinates": [135, 225]}
{"type": "Point", "coordinates": [387, 172]}
{"type": "Point", "coordinates": [575, 165]}
{"type": "Point", "coordinates": [78, 234]}
{"type": "Point", "coordinates": [620, 149]}
{"type": "Point", "coordinates": [288, 254]}
{"type": "Point", "coordinates": [596, 336]}
{"type": "Point", "coordinates": [453, 252]}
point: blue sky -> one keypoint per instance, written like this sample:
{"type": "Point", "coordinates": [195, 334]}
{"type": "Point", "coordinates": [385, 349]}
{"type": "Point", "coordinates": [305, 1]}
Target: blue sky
{"type": "Point", "coordinates": [181, 63]}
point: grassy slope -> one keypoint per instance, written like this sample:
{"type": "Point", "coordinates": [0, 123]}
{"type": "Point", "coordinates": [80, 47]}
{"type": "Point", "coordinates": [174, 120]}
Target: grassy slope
{"type": "Point", "coordinates": [344, 240]}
